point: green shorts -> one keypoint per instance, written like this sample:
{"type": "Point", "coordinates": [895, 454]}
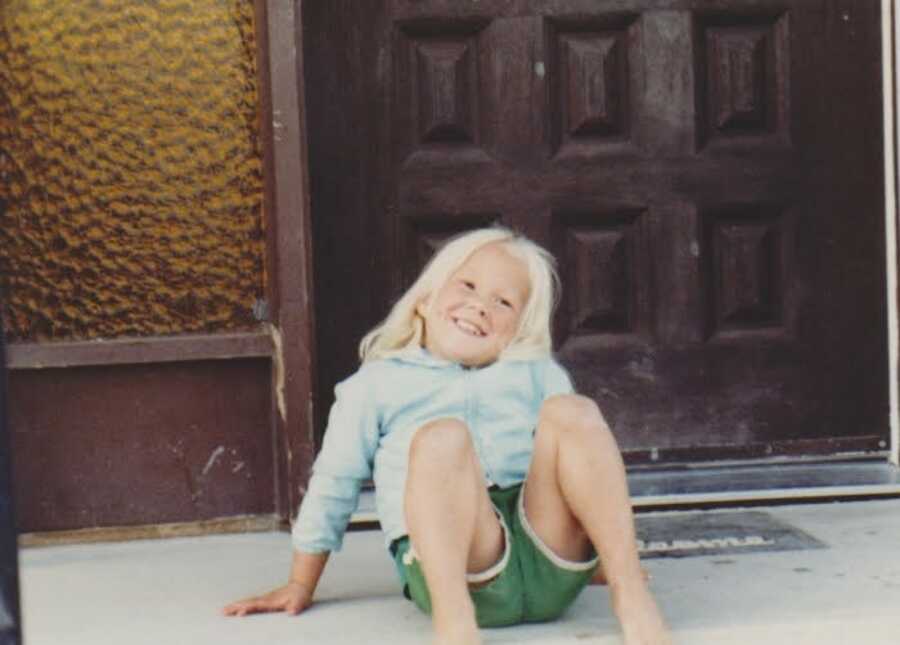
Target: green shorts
{"type": "Point", "coordinates": [530, 583]}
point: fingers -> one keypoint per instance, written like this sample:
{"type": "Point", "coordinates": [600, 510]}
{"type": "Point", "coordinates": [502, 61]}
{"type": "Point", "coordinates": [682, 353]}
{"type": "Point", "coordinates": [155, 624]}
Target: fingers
{"type": "Point", "coordinates": [252, 606]}
{"type": "Point", "coordinates": [236, 608]}
{"type": "Point", "coordinates": [291, 599]}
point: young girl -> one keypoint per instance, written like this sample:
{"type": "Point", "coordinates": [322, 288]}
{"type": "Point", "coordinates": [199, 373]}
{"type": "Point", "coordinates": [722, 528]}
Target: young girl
{"type": "Point", "coordinates": [496, 486]}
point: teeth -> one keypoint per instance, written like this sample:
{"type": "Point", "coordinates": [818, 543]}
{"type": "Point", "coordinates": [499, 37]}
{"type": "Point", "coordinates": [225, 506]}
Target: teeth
{"type": "Point", "coordinates": [468, 327]}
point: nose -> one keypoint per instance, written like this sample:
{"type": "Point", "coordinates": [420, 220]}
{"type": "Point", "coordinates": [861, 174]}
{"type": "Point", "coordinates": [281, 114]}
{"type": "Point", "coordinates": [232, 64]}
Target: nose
{"type": "Point", "coordinates": [476, 303]}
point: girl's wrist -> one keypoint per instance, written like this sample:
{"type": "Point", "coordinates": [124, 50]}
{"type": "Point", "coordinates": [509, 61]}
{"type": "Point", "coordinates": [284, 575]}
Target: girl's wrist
{"type": "Point", "coordinates": [302, 585]}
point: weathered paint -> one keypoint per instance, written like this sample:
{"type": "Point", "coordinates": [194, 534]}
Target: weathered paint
{"type": "Point", "coordinates": [140, 444]}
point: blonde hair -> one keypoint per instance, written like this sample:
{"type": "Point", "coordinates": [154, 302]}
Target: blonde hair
{"type": "Point", "coordinates": [404, 328]}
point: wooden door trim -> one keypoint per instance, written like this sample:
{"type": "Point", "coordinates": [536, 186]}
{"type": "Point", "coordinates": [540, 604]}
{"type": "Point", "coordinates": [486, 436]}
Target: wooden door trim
{"type": "Point", "coordinates": [135, 351]}
{"type": "Point", "coordinates": [890, 30]}
{"type": "Point", "coordinates": [288, 243]}
{"type": "Point", "coordinates": [238, 524]}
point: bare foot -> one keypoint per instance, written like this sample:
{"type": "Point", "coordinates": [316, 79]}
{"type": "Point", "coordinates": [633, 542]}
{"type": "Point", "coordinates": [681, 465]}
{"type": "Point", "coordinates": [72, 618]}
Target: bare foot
{"type": "Point", "coordinates": [457, 636]}
{"type": "Point", "coordinates": [642, 622]}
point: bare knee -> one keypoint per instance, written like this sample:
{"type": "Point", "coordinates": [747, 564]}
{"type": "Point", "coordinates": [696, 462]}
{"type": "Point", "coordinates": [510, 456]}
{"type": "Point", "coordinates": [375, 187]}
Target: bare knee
{"type": "Point", "coordinates": [442, 440]}
{"type": "Point", "coordinates": [572, 413]}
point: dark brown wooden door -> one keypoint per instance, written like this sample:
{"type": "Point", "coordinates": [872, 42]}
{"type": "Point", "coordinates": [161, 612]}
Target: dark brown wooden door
{"type": "Point", "coordinates": [708, 174]}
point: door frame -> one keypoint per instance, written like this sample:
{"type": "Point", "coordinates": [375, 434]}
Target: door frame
{"type": "Point", "coordinates": [890, 29]}
{"type": "Point", "coordinates": [289, 245]}
{"type": "Point", "coordinates": [287, 205]}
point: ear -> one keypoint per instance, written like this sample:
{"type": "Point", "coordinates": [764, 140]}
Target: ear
{"type": "Point", "coordinates": [423, 304]}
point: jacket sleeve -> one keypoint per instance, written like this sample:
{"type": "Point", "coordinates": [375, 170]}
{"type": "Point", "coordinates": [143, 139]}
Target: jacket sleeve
{"type": "Point", "coordinates": [343, 465]}
{"type": "Point", "coordinates": [556, 380]}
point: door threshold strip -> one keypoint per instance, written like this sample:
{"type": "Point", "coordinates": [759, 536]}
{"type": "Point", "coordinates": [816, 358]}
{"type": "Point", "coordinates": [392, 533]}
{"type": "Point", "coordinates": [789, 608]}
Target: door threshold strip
{"type": "Point", "coordinates": [770, 496]}
{"type": "Point", "coordinates": [736, 485]}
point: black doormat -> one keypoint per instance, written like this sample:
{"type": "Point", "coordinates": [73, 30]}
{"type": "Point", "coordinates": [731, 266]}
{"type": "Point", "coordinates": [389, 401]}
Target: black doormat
{"type": "Point", "coordinates": [685, 535]}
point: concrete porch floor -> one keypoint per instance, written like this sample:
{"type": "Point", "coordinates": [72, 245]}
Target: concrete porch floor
{"type": "Point", "coordinates": [170, 591]}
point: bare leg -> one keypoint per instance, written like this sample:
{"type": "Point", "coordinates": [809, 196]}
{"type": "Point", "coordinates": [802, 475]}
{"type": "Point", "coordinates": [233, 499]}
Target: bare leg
{"type": "Point", "coordinates": [576, 494]}
{"type": "Point", "coordinates": [452, 524]}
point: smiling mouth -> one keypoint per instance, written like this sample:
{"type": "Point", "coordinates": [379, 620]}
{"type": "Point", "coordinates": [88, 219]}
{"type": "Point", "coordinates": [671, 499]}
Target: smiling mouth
{"type": "Point", "coordinates": [468, 328]}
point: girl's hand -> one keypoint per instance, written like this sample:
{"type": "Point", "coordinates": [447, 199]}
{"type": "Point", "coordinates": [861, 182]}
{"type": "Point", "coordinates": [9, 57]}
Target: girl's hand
{"type": "Point", "coordinates": [292, 598]}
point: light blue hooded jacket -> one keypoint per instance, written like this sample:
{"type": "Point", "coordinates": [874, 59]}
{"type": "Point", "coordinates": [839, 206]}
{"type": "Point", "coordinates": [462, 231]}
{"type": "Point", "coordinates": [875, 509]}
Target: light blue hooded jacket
{"type": "Point", "coordinates": [378, 410]}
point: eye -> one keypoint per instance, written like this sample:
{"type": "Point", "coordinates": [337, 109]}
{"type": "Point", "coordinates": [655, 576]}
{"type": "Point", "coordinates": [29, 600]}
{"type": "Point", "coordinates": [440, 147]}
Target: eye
{"type": "Point", "coordinates": [503, 302]}
{"type": "Point", "coordinates": [468, 284]}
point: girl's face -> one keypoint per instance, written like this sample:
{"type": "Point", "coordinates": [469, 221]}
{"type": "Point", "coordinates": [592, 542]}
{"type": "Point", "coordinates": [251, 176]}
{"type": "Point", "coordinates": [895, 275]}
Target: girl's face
{"type": "Point", "coordinates": [475, 315]}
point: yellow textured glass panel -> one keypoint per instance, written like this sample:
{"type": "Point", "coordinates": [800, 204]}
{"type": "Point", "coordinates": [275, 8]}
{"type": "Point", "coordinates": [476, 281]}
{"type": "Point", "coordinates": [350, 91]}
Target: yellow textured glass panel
{"type": "Point", "coordinates": [130, 167]}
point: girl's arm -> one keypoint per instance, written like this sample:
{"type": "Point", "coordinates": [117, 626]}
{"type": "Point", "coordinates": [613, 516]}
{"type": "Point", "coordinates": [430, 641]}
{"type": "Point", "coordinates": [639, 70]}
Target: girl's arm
{"type": "Point", "coordinates": [344, 462]}
{"type": "Point", "coordinates": [293, 597]}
